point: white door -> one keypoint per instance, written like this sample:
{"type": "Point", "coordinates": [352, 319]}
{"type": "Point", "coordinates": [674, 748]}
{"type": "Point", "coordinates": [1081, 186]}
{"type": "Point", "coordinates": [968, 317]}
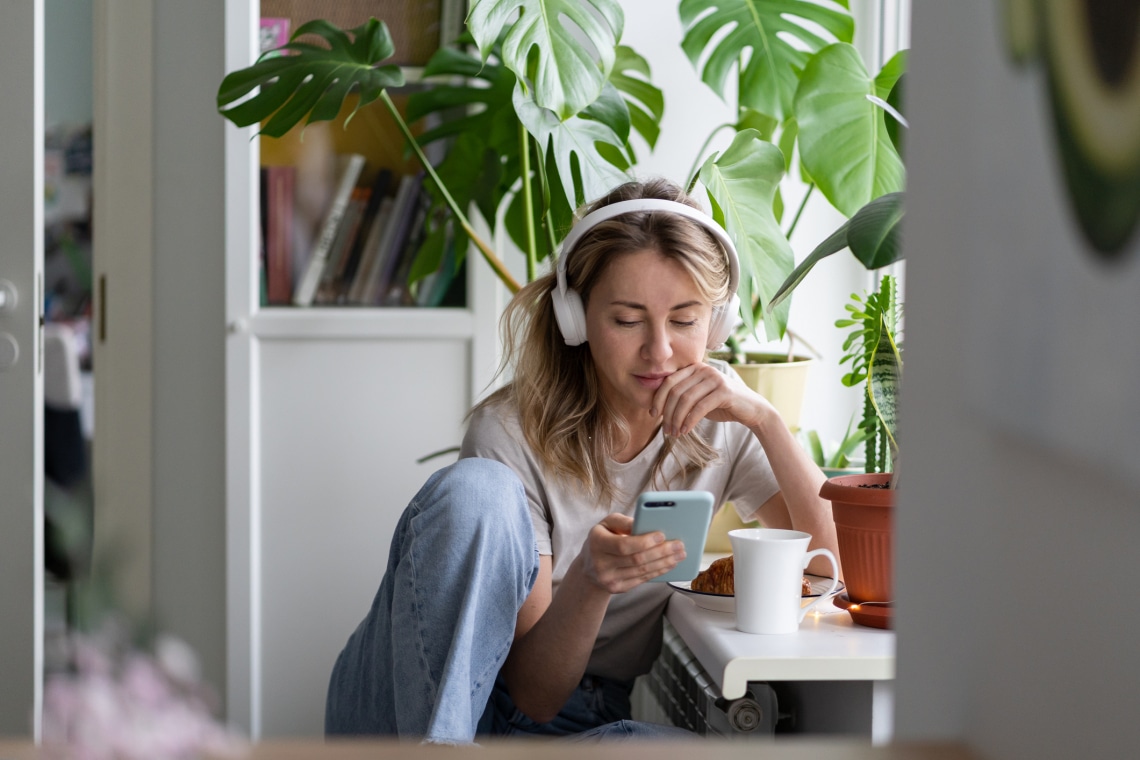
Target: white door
{"type": "Point", "coordinates": [21, 386]}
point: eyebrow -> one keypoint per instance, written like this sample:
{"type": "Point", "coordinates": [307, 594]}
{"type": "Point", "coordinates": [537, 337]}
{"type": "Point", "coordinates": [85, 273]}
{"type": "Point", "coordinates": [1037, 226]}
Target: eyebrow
{"type": "Point", "coordinates": [643, 307]}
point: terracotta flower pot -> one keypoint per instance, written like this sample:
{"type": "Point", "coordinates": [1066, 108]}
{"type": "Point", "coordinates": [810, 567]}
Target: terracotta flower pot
{"type": "Point", "coordinates": [864, 527]}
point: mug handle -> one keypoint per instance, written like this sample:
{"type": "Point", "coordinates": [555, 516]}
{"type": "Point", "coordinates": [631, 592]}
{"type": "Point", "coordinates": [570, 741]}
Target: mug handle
{"type": "Point", "coordinates": [834, 578]}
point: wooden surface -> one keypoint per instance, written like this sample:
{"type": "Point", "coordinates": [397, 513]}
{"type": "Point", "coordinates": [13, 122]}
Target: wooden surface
{"type": "Point", "coordinates": [706, 749]}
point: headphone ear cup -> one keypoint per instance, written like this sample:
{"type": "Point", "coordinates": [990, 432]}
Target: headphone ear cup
{"type": "Point", "coordinates": [570, 315]}
{"type": "Point", "coordinates": [722, 323]}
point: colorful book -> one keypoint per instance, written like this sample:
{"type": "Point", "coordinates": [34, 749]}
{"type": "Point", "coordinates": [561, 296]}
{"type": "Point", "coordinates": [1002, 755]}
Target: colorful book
{"type": "Point", "coordinates": [279, 234]}
{"type": "Point", "coordinates": [399, 293]}
{"type": "Point", "coordinates": [307, 285]}
{"type": "Point", "coordinates": [371, 283]}
{"type": "Point", "coordinates": [343, 277]}
{"type": "Point", "coordinates": [346, 237]}
{"type": "Point", "coordinates": [403, 215]}
{"type": "Point", "coordinates": [370, 252]}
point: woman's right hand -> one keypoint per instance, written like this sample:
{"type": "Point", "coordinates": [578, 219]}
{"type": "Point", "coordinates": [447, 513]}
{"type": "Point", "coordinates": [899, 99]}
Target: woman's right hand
{"type": "Point", "coordinates": [615, 561]}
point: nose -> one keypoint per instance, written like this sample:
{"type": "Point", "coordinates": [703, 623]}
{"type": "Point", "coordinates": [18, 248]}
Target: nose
{"type": "Point", "coordinates": [658, 345]}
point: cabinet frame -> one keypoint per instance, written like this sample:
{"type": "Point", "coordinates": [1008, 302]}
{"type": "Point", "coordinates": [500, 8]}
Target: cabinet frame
{"type": "Point", "coordinates": [248, 324]}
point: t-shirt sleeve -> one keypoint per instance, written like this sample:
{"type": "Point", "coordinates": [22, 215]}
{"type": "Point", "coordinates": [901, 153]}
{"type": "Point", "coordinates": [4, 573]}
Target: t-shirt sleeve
{"type": "Point", "coordinates": [493, 432]}
{"type": "Point", "coordinates": [751, 481]}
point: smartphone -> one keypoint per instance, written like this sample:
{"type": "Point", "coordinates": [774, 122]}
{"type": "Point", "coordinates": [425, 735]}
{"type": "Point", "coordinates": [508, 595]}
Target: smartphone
{"type": "Point", "coordinates": [683, 515]}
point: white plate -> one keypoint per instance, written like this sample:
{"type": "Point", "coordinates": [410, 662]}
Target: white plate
{"type": "Point", "coordinates": [726, 603]}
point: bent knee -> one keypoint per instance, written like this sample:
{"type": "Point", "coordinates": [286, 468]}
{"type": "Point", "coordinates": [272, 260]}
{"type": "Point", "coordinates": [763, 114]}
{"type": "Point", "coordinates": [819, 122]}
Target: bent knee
{"type": "Point", "coordinates": [483, 492]}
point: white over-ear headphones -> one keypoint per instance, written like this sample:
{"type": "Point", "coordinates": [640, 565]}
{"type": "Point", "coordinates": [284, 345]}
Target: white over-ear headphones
{"type": "Point", "coordinates": [568, 308]}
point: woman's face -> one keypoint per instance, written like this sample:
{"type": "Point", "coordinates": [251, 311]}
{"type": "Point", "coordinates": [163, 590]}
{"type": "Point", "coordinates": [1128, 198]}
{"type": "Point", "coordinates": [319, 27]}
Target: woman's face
{"type": "Point", "coordinates": [645, 320]}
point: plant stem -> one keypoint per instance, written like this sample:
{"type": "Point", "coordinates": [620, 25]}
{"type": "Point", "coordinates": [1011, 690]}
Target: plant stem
{"type": "Point", "coordinates": [496, 264]}
{"type": "Point", "coordinates": [800, 211]}
{"type": "Point", "coordinates": [696, 164]}
{"type": "Point", "coordinates": [528, 204]}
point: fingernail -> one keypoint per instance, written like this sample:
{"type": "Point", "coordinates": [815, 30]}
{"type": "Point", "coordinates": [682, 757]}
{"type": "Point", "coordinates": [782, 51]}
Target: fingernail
{"type": "Point", "coordinates": [653, 412]}
{"type": "Point", "coordinates": [658, 538]}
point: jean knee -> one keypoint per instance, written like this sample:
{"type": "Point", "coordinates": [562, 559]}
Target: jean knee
{"type": "Point", "coordinates": [488, 489]}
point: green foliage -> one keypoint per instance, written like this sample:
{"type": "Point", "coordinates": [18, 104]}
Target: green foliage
{"type": "Point", "coordinates": [777, 37]}
{"type": "Point", "coordinates": [541, 118]}
{"type": "Point", "coordinates": [311, 82]}
{"type": "Point", "coordinates": [872, 235]}
{"type": "Point", "coordinates": [548, 58]}
{"type": "Point", "coordinates": [742, 183]}
{"type": "Point", "coordinates": [843, 138]}
{"type": "Point", "coordinates": [840, 456]}
{"type": "Point", "coordinates": [873, 351]}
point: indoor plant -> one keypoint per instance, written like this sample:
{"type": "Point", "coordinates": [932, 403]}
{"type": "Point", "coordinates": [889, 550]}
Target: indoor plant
{"type": "Point", "coordinates": [539, 121]}
{"type": "Point", "coordinates": [863, 505]}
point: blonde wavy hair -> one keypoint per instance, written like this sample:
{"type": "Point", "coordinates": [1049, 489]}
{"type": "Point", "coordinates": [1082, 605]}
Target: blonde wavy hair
{"type": "Point", "coordinates": [564, 417]}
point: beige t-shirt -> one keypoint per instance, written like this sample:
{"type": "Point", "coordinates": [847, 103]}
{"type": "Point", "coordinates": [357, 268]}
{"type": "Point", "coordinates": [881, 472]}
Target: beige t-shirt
{"type": "Point", "coordinates": [563, 513]}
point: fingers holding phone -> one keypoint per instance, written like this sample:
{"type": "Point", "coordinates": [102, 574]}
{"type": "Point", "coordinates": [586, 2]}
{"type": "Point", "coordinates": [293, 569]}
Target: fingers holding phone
{"type": "Point", "coordinates": [617, 561]}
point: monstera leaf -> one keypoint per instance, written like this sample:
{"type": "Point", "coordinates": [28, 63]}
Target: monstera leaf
{"type": "Point", "coordinates": [778, 35]}
{"type": "Point", "coordinates": [843, 137]}
{"type": "Point", "coordinates": [585, 173]}
{"type": "Point", "coordinates": [310, 82]}
{"type": "Point", "coordinates": [645, 102]}
{"type": "Point", "coordinates": [543, 51]}
{"type": "Point", "coordinates": [742, 184]}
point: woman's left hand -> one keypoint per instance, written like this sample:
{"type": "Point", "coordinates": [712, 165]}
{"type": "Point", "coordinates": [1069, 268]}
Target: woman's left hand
{"type": "Point", "coordinates": [698, 391]}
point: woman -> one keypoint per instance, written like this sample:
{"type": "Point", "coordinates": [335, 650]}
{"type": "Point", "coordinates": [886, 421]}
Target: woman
{"type": "Point", "coordinates": [515, 599]}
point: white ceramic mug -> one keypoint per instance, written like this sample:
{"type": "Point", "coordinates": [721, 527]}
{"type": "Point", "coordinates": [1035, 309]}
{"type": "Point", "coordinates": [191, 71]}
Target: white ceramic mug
{"type": "Point", "coordinates": [768, 570]}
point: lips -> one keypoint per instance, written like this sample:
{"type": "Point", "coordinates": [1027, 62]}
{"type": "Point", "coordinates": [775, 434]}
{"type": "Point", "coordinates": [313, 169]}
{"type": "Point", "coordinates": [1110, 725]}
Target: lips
{"type": "Point", "coordinates": [652, 381]}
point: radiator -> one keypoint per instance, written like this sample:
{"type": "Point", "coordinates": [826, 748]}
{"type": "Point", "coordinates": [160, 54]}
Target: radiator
{"type": "Point", "coordinates": [687, 697]}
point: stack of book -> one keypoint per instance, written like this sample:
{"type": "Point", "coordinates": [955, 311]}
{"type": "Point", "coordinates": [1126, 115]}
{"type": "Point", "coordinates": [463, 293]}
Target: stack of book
{"type": "Point", "coordinates": [363, 248]}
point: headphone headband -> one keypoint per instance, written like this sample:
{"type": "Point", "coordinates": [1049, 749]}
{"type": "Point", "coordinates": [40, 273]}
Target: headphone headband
{"type": "Point", "coordinates": [568, 308]}
{"type": "Point", "coordinates": [594, 218]}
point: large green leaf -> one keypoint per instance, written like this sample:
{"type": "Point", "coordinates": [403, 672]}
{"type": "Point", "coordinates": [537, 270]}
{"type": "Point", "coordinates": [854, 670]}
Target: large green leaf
{"type": "Point", "coordinates": [645, 102]}
{"type": "Point", "coordinates": [542, 49]}
{"type": "Point", "coordinates": [843, 138]}
{"type": "Point", "coordinates": [585, 173]}
{"type": "Point", "coordinates": [310, 82]}
{"type": "Point", "coordinates": [872, 234]}
{"type": "Point", "coordinates": [777, 35]}
{"type": "Point", "coordinates": [742, 185]}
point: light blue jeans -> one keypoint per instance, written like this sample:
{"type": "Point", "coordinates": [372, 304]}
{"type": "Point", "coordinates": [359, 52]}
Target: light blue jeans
{"type": "Point", "coordinates": [423, 663]}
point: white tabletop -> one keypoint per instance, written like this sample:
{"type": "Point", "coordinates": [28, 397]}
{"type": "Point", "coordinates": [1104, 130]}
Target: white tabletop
{"type": "Point", "coordinates": [828, 647]}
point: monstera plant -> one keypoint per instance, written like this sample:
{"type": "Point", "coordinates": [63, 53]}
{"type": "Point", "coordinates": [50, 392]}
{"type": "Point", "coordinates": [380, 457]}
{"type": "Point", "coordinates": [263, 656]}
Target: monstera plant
{"type": "Point", "coordinates": [541, 108]}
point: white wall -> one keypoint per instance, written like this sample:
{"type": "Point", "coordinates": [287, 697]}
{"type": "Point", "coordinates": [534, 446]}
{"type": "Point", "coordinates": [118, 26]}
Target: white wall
{"type": "Point", "coordinates": [1016, 623]}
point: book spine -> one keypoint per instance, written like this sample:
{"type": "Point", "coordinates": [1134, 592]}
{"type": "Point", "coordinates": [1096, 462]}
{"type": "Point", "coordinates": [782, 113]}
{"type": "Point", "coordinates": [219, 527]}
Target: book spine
{"type": "Point", "coordinates": [347, 270]}
{"type": "Point", "coordinates": [350, 232]}
{"type": "Point", "coordinates": [279, 235]}
{"type": "Point", "coordinates": [402, 213]}
{"type": "Point", "coordinates": [307, 286]}
{"type": "Point", "coordinates": [370, 255]}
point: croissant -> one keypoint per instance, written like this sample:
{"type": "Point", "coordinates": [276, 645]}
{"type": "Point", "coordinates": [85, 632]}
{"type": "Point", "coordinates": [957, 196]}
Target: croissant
{"type": "Point", "coordinates": [718, 579]}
